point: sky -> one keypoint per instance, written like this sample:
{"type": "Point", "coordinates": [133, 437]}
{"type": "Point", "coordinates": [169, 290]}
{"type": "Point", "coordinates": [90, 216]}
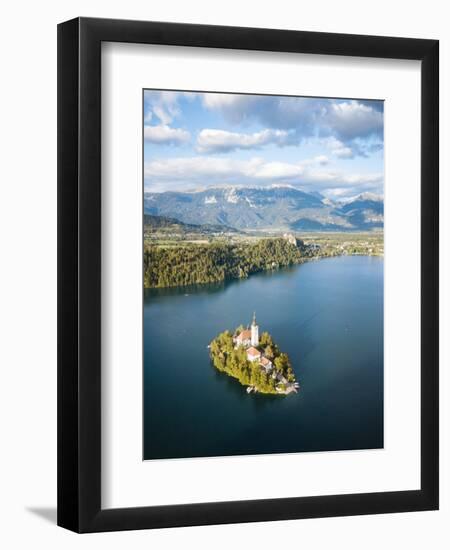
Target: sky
{"type": "Point", "coordinates": [194, 141]}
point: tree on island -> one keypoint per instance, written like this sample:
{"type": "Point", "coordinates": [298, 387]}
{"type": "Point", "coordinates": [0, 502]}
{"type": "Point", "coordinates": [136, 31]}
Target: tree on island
{"type": "Point", "coordinates": [277, 377]}
{"type": "Point", "coordinates": [269, 352]}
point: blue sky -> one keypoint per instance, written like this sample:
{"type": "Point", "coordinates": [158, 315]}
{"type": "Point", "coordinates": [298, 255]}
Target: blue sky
{"type": "Point", "coordinates": [199, 140]}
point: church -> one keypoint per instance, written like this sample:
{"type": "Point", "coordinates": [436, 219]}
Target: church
{"type": "Point", "coordinates": [248, 337]}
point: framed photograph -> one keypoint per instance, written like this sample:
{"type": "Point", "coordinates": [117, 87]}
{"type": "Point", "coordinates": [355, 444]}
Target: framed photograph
{"type": "Point", "coordinates": [247, 275]}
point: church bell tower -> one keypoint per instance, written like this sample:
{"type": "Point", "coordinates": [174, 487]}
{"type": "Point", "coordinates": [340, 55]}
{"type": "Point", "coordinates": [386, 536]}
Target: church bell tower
{"type": "Point", "coordinates": [255, 331]}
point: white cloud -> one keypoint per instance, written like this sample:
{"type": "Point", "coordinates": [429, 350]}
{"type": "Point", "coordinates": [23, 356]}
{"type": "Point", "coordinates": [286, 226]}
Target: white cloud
{"type": "Point", "coordinates": [195, 168]}
{"type": "Point", "coordinates": [278, 170]}
{"type": "Point", "coordinates": [356, 179]}
{"type": "Point", "coordinates": [346, 121]}
{"type": "Point", "coordinates": [163, 134]}
{"type": "Point", "coordinates": [338, 192]}
{"type": "Point", "coordinates": [270, 111]}
{"type": "Point", "coordinates": [214, 167]}
{"type": "Point", "coordinates": [221, 141]}
{"type": "Point", "coordinates": [337, 148]}
{"type": "Point", "coordinates": [321, 159]}
{"type": "Point", "coordinates": [164, 116]}
{"type": "Point", "coordinates": [343, 152]}
{"type": "Point", "coordinates": [163, 105]}
{"type": "Point", "coordinates": [217, 101]}
{"type": "Point", "coordinates": [352, 119]}
{"type": "Point", "coordinates": [191, 168]}
{"type": "Point", "coordinates": [195, 172]}
{"type": "Point", "coordinates": [332, 129]}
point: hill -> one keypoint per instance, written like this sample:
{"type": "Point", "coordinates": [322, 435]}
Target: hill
{"type": "Point", "coordinates": [172, 225]}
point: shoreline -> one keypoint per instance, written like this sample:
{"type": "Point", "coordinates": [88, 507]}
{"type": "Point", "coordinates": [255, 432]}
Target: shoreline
{"type": "Point", "coordinates": [274, 269]}
{"type": "Point", "coordinates": [256, 362]}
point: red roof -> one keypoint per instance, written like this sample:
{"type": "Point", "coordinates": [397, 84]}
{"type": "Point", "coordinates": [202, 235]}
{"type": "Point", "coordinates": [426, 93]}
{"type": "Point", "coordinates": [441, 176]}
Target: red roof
{"type": "Point", "coordinates": [244, 335]}
{"type": "Point", "coordinates": [253, 352]}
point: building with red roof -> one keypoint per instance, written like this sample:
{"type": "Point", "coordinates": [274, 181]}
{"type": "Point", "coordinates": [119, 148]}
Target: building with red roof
{"type": "Point", "coordinates": [253, 354]}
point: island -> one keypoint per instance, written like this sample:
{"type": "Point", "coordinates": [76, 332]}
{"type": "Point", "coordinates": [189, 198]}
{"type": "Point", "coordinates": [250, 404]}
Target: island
{"type": "Point", "coordinates": [255, 361]}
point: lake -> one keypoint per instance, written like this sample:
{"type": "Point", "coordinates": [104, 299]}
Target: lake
{"type": "Point", "coordinates": [326, 314]}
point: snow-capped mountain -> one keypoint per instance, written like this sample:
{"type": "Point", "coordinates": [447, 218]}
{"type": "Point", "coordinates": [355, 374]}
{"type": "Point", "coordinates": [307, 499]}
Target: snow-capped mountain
{"type": "Point", "coordinates": [275, 207]}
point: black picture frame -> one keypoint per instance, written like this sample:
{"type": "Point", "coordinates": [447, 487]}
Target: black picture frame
{"type": "Point", "coordinates": [79, 274]}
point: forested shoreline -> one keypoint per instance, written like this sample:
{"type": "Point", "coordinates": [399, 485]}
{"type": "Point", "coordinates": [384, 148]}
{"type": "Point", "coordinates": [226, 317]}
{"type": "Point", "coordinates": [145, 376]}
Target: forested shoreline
{"type": "Point", "coordinates": [216, 262]}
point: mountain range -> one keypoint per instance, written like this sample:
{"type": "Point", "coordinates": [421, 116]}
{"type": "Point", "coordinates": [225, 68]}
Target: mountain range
{"type": "Point", "coordinates": [269, 208]}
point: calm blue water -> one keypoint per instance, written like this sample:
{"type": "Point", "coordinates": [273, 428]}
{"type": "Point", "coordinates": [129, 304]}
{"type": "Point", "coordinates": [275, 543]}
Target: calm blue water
{"type": "Point", "coordinates": [327, 315]}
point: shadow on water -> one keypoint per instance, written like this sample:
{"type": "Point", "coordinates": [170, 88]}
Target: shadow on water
{"type": "Point", "coordinates": [231, 385]}
{"type": "Point", "coordinates": [256, 400]}
{"type": "Point", "coordinates": [207, 288]}
{"type": "Point", "coordinates": [213, 288]}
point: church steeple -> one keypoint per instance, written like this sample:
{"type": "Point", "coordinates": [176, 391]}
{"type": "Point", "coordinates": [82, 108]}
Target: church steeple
{"type": "Point", "coordinates": [254, 332]}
